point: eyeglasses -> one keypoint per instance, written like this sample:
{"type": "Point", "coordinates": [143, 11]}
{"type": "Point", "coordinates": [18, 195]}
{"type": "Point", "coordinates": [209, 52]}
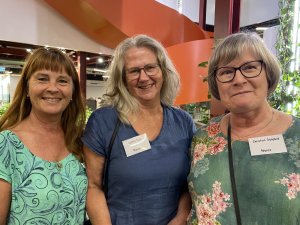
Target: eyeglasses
{"type": "Point", "coordinates": [249, 70]}
{"type": "Point", "coordinates": [149, 69]}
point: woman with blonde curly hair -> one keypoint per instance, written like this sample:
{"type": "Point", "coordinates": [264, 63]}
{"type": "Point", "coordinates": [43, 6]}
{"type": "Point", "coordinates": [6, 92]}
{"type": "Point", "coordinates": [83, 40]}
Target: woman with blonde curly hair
{"type": "Point", "coordinates": [148, 161]}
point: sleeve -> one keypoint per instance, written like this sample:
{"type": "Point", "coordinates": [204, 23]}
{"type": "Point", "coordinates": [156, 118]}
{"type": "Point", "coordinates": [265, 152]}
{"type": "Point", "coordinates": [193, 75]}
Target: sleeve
{"type": "Point", "coordinates": [6, 165]}
{"type": "Point", "coordinates": [190, 125]}
{"type": "Point", "coordinates": [99, 129]}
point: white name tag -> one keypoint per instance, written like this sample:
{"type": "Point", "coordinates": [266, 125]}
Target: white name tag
{"type": "Point", "coordinates": [136, 145]}
{"type": "Point", "coordinates": [267, 145]}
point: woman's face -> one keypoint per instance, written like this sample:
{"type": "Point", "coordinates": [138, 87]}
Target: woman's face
{"type": "Point", "coordinates": [144, 84]}
{"type": "Point", "coordinates": [243, 94]}
{"type": "Point", "coordinates": [50, 92]}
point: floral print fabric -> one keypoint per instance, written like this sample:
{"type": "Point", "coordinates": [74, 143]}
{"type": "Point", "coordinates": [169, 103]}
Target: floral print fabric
{"type": "Point", "coordinates": [268, 186]}
{"type": "Point", "coordinates": [42, 192]}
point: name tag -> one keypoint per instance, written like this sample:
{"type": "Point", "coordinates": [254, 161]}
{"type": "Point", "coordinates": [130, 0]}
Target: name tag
{"type": "Point", "coordinates": [136, 145]}
{"type": "Point", "coordinates": [267, 145]}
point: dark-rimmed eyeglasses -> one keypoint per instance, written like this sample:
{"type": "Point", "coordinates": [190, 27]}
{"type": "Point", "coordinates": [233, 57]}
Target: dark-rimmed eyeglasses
{"type": "Point", "coordinates": [149, 69]}
{"type": "Point", "coordinates": [249, 70]}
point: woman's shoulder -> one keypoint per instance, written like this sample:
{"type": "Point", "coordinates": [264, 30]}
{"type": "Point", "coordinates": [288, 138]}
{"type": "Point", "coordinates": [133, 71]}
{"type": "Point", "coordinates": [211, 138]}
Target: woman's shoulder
{"type": "Point", "coordinates": [6, 132]}
{"type": "Point", "coordinates": [296, 121]}
{"type": "Point", "coordinates": [103, 114]}
{"type": "Point", "coordinates": [100, 122]}
{"type": "Point", "coordinates": [294, 127]}
{"type": "Point", "coordinates": [105, 111]}
{"type": "Point", "coordinates": [177, 111]}
{"type": "Point", "coordinates": [8, 135]}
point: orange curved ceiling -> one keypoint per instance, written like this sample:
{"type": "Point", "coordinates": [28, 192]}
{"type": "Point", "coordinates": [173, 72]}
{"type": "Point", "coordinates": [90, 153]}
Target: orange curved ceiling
{"type": "Point", "coordinates": [110, 21]}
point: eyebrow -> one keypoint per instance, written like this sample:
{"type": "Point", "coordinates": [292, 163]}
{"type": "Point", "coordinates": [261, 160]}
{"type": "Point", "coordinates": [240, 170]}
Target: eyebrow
{"type": "Point", "coordinates": [60, 75]}
{"type": "Point", "coordinates": [139, 67]}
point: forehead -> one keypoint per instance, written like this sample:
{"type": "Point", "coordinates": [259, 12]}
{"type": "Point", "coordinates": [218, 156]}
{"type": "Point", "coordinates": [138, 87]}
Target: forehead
{"type": "Point", "coordinates": [51, 73]}
{"type": "Point", "coordinates": [239, 58]}
{"type": "Point", "coordinates": [139, 56]}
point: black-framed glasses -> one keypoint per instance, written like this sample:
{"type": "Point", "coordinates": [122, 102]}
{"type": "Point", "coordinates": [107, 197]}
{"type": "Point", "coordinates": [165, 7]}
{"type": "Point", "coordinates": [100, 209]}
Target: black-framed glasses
{"type": "Point", "coordinates": [149, 69]}
{"type": "Point", "coordinates": [249, 70]}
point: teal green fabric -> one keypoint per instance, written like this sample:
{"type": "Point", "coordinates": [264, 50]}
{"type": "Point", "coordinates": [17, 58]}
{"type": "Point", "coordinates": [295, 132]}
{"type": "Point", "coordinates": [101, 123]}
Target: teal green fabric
{"type": "Point", "coordinates": [42, 192]}
{"type": "Point", "coordinates": [268, 186]}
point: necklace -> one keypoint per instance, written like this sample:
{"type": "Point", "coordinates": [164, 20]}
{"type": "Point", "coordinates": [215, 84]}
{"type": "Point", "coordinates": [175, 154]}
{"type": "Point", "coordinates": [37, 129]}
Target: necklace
{"type": "Point", "coordinates": [257, 130]}
{"type": "Point", "coordinates": [59, 166]}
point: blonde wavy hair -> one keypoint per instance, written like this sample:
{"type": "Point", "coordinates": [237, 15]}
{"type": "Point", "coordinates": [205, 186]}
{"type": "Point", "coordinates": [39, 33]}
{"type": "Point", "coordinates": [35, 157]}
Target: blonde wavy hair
{"type": "Point", "coordinates": [117, 94]}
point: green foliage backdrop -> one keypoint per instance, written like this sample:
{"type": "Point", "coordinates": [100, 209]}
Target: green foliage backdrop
{"type": "Point", "coordinates": [282, 97]}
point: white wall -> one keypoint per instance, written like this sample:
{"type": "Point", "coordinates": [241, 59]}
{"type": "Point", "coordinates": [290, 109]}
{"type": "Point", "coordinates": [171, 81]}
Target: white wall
{"type": "Point", "coordinates": [252, 11]}
{"type": "Point", "coordinates": [270, 38]}
{"type": "Point", "coordinates": [35, 22]}
{"type": "Point", "coordinates": [170, 3]}
{"type": "Point", "coordinates": [190, 8]}
{"type": "Point", "coordinates": [13, 84]}
{"type": "Point", "coordinates": [257, 11]}
{"type": "Point", "coordinates": [95, 89]}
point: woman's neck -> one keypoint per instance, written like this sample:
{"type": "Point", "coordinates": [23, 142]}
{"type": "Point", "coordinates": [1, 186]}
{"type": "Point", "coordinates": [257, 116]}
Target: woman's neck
{"type": "Point", "coordinates": [146, 113]}
{"type": "Point", "coordinates": [250, 124]}
{"type": "Point", "coordinates": [150, 109]}
{"type": "Point", "coordinates": [50, 124]}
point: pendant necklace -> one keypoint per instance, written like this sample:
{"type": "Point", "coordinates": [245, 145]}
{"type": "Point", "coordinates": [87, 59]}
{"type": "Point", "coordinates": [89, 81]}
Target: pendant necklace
{"type": "Point", "coordinates": [59, 165]}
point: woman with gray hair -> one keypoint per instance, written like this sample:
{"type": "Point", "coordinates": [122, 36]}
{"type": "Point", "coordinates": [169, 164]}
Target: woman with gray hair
{"type": "Point", "coordinates": [245, 164]}
{"type": "Point", "coordinates": [138, 143]}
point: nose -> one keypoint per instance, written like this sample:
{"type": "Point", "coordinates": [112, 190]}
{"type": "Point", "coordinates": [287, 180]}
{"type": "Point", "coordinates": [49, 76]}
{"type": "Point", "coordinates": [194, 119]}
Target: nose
{"type": "Point", "coordinates": [239, 77]}
{"type": "Point", "coordinates": [143, 75]}
{"type": "Point", "coordinates": [52, 86]}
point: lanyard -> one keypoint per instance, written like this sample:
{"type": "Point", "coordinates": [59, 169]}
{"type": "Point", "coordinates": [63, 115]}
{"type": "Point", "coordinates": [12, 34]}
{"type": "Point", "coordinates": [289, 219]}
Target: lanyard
{"type": "Point", "coordinates": [232, 177]}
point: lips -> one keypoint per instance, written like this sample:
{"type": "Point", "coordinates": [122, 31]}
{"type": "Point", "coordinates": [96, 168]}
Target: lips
{"type": "Point", "coordinates": [241, 92]}
{"type": "Point", "coordinates": [145, 86]}
{"type": "Point", "coordinates": [51, 99]}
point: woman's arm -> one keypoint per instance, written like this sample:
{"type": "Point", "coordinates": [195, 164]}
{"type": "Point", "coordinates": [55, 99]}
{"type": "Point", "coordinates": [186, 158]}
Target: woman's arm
{"type": "Point", "coordinates": [96, 202]}
{"type": "Point", "coordinates": [5, 199]}
{"type": "Point", "coordinates": [183, 211]}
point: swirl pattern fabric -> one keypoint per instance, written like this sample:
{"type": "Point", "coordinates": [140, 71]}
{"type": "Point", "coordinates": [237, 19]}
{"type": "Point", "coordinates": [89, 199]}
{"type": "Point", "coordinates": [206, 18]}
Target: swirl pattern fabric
{"type": "Point", "coordinates": [42, 192]}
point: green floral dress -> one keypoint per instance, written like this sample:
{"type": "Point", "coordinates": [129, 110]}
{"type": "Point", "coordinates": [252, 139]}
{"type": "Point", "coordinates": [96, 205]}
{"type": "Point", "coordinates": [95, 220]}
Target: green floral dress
{"type": "Point", "coordinates": [43, 192]}
{"type": "Point", "coordinates": [267, 186]}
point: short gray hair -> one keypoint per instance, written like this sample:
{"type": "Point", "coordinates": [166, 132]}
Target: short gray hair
{"type": "Point", "coordinates": [117, 94]}
{"type": "Point", "coordinates": [234, 46]}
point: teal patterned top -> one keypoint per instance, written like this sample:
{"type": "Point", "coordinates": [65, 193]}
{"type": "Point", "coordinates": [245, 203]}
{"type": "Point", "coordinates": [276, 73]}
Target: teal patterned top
{"type": "Point", "coordinates": [43, 192]}
{"type": "Point", "coordinates": [268, 186]}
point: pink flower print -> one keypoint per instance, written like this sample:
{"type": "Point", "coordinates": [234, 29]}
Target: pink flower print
{"type": "Point", "coordinates": [218, 147]}
{"type": "Point", "coordinates": [199, 152]}
{"type": "Point", "coordinates": [292, 181]}
{"type": "Point", "coordinates": [209, 206]}
{"type": "Point", "coordinates": [218, 197]}
{"type": "Point", "coordinates": [213, 129]}
{"type": "Point", "coordinates": [205, 214]}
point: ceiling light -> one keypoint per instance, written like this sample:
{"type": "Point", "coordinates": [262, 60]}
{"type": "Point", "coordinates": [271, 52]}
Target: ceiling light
{"type": "Point", "coordinates": [261, 28]}
{"type": "Point", "coordinates": [99, 70]}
